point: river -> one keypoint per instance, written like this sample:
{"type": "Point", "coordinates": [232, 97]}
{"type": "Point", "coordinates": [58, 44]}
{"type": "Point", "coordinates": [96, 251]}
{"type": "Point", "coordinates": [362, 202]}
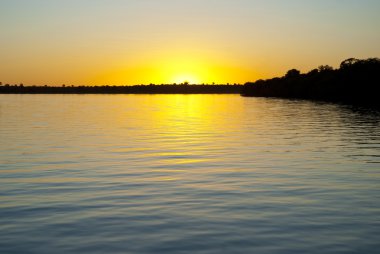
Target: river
{"type": "Point", "coordinates": [187, 174]}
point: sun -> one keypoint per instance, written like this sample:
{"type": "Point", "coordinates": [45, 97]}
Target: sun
{"type": "Point", "coordinates": [180, 68]}
{"type": "Point", "coordinates": [185, 78]}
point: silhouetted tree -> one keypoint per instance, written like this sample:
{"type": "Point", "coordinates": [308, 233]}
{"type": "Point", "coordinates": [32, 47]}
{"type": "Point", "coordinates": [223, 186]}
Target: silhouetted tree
{"type": "Point", "coordinates": [348, 62]}
{"type": "Point", "coordinates": [325, 68]}
{"type": "Point", "coordinates": [292, 73]}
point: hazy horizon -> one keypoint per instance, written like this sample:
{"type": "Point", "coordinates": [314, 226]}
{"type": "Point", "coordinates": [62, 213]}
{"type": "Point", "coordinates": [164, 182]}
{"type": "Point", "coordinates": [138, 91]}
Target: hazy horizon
{"type": "Point", "coordinates": [141, 42]}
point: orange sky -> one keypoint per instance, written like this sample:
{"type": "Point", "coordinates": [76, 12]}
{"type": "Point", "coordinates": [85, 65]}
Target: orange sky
{"type": "Point", "coordinates": [129, 42]}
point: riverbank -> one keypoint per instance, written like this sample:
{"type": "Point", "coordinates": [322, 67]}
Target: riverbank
{"type": "Point", "coordinates": [355, 82]}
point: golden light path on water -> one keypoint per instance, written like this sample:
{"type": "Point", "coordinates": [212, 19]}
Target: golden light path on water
{"type": "Point", "coordinates": [184, 126]}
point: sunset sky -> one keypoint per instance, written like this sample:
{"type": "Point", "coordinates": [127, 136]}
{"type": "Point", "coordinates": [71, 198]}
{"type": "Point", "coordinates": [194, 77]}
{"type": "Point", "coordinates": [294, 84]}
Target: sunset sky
{"type": "Point", "coordinates": [125, 42]}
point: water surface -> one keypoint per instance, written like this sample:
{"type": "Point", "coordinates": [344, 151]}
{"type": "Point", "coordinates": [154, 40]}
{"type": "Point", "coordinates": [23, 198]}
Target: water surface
{"type": "Point", "coordinates": [187, 174]}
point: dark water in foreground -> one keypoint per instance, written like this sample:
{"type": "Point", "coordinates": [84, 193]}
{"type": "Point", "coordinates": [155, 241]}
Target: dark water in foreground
{"type": "Point", "coordinates": [187, 174]}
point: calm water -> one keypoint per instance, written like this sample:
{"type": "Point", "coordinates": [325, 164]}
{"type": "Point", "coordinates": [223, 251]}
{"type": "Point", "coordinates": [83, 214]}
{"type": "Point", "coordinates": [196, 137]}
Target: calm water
{"type": "Point", "coordinates": [187, 174]}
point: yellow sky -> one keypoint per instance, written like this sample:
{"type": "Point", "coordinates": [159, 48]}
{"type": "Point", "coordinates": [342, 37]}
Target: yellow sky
{"type": "Point", "coordinates": [126, 42]}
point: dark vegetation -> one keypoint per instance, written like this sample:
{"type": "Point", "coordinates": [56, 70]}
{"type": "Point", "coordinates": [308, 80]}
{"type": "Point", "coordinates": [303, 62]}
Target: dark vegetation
{"type": "Point", "coordinates": [355, 82]}
{"type": "Point", "coordinates": [138, 89]}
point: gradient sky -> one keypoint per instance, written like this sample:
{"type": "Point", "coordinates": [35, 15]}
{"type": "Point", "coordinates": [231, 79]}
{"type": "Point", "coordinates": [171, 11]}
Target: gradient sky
{"type": "Point", "coordinates": [118, 42]}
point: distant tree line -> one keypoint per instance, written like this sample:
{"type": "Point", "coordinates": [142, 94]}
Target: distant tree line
{"type": "Point", "coordinates": [184, 88]}
{"type": "Point", "coordinates": [355, 81]}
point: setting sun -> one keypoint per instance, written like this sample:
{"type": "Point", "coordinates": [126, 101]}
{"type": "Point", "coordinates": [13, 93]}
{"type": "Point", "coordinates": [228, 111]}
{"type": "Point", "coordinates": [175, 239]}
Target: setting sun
{"type": "Point", "coordinates": [185, 78]}
{"type": "Point", "coordinates": [179, 67]}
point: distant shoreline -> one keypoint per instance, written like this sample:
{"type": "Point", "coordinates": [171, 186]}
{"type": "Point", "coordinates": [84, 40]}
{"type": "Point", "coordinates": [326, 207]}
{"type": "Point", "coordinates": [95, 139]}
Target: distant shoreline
{"type": "Point", "coordinates": [137, 89]}
{"type": "Point", "coordinates": [355, 82]}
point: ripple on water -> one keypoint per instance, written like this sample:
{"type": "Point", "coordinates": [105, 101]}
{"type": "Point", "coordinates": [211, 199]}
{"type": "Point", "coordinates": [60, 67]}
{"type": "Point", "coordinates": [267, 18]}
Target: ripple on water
{"type": "Point", "coordinates": [187, 174]}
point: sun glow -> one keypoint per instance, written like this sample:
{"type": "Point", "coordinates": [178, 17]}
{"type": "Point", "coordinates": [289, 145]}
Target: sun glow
{"type": "Point", "coordinates": [180, 69]}
{"type": "Point", "coordinates": [185, 78]}
{"type": "Point", "coordinates": [174, 66]}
